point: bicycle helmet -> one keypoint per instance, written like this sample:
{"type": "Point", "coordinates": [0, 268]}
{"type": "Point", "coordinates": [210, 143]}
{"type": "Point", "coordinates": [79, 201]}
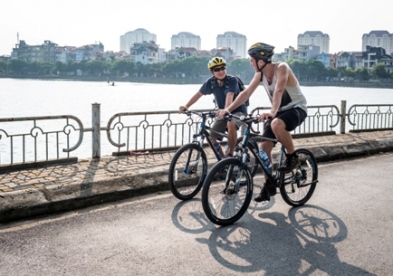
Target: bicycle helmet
{"type": "Point", "coordinates": [262, 51]}
{"type": "Point", "coordinates": [216, 61]}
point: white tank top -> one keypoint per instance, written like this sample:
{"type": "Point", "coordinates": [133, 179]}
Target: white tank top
{"type": "Point", "coordinates": [292, 97]}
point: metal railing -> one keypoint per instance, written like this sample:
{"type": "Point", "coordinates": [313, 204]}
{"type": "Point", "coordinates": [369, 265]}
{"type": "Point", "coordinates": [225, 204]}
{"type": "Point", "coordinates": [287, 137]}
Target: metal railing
{"type": "Point", "coordinates": [35, 141]}
{"type": "Point", "coordinates": [38, 139]}
{"type": "Point", "coordinates": [320, 120]}
{"type": "Point", "coordinates": [370, 117]}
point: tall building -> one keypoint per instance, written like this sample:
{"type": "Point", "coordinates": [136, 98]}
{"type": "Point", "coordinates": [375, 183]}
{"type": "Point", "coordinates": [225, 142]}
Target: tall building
{"type": "Point", "coordinates": [138, 36]}
{"type": "Point", "coordinates": [314, 38]}
{"type": "Point", "coordinates": [378, 39]}
{"type": "Point", "coordinates": [237, 42]}
{"type": "Point", "coordinates": [185, 40]}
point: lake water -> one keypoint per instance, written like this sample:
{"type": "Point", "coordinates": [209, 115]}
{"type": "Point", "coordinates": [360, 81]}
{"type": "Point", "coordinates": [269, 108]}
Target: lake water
{"type": "Point", "coordinates": [26, 98]}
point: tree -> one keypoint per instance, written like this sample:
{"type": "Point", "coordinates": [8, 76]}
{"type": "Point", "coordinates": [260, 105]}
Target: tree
{"type": "Point", "coordinates": [362, 74]}
{"type": "Point", "coordinates": [96, 67]}
{"type": "Point", "coordinates": [18, 66]}
{"type": "Point", "coordinates": [299, 68]}
{"type": "Point", "coordinates": [3, 67]}
{"type": "Point", "coordinates": [241, 68]}
{"type": "Point", "coordinates": [120, 67]}
{"type": "Point", "coordinates": [331, 72]}
{"type": "Point", "coordinates": [315, 69]}
{"type": "Point", "coordinates": [60, 67]}
{"type": "Point", "coordinates": [378, 71]}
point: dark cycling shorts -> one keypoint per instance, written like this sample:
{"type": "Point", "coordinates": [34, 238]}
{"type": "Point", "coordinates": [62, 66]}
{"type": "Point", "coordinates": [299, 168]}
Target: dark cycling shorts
{"type": "Point", "coordinates": [292, 119]}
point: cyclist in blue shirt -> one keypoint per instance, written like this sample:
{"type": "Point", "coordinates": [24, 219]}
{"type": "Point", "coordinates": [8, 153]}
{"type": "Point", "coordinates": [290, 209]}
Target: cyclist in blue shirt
{"type": "Point", "coordinates": [225, 89]}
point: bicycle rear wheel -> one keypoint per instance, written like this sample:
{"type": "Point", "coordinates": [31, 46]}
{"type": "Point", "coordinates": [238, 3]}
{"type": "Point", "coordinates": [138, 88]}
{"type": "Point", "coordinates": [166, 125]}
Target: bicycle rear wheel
{"type": "Point", "coordinates": [187, 171]}
{"type": "Point", "coordinates": [224, 201]}
{"type": "Point", "coordinates": [298, 185]}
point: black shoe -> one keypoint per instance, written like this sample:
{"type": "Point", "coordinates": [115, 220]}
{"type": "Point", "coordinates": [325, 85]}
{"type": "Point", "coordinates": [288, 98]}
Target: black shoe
{"type": "Point", "coordinates": [262, 196]}
{"type": "Point", "coordinates": [271, 188]}
{"type": "Point", "coordinates": [290, 163]}
{"type": "Point", "coordinates": [268, 190]}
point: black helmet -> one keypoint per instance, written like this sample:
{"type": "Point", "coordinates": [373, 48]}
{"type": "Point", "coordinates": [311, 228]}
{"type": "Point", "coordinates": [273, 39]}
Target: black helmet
{"type": "Point", "coordinates": [262, 51]}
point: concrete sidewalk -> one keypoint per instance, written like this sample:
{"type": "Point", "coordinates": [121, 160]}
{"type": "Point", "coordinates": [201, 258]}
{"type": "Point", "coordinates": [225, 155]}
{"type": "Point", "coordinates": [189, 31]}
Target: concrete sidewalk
{"type": "Point", "coordinates": [65, 187]}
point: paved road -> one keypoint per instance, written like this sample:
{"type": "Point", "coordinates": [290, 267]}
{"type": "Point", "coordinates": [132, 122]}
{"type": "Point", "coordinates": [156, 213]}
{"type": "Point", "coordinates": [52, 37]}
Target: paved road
{"type": "Point", "coordinates": [345, 229]}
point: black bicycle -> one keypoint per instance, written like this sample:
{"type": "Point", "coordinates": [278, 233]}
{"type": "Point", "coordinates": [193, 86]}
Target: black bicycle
{"type": "Point", "coordinates": [189, 165]}
{"type": "Point", "coordinates": [226, 198]}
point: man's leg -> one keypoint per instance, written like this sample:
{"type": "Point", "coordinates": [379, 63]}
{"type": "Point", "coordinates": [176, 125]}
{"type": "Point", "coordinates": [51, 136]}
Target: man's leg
{"type": "Point", "coordinates": [285, 138]}
{"type": "Point", "coordinates": [219, 125]}
{"type": "Point", "coordinates": [232, 137]}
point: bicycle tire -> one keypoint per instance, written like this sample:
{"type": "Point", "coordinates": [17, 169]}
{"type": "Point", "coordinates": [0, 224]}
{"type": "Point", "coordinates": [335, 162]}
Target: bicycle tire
{"type": "Point", "coordinates": [221, 204]}
{"type": "Point", "coordinates": [185, 181]}
{"type": "Point", "coordinates": [252, 152]}
{"type": "Point", "coordinates": [298, 185]}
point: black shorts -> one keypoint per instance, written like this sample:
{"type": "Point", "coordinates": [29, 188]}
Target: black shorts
{"type": "Point", "coordinates": [292, 118]}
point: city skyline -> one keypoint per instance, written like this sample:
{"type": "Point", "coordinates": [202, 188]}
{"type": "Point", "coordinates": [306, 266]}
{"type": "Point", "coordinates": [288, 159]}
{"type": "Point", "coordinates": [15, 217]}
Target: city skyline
{"type": "Point", "coordinates": [87, 22]}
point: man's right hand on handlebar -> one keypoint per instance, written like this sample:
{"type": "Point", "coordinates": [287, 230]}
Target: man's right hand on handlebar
{"type": "Point", "coordinates": [222, 112]}
{"type": "Point", "coordinates": [183, 108]}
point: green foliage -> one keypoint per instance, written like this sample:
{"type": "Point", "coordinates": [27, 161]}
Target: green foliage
{"type": "Point", "coordinates": [362, 74]}
{"type": "Point", "coordinates": [3, 67]}
{"type": "Point", "coordinates": [191, 68]}
{"type": "Point", "coordinates": [378, 71]}
{"type": "Point", "coordinates": [241, 68]}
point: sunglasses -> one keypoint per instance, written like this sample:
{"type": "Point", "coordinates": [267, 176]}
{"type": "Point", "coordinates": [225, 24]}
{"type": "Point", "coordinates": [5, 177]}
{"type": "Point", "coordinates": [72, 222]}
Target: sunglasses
{"type": "Point", "coordinates": [219, 69]}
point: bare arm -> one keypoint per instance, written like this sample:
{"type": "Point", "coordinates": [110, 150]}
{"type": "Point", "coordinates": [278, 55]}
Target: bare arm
{"type": "Point", "coordinates": [193, 100]}
{"type": "Point", "coordinates": [243, 96]}
{"type": "Point", "coordinates": [229, 99]}
{"type": "Point", "coordinates": [282, 80]}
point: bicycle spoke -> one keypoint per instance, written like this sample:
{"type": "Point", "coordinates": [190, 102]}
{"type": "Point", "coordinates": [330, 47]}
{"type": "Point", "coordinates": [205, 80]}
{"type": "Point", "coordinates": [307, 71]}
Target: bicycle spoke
{"type": "Point", "coordinates": [298, 185]}
{"type": "Point", "coordinates": [187, 171]}
{"type": "Point", "coordinates": [223, 198]}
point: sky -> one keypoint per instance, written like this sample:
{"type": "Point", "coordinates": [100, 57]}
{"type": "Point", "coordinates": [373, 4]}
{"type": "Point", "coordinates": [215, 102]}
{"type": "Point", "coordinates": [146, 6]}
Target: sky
{"type": "Point", "coordinates": [278, 22]}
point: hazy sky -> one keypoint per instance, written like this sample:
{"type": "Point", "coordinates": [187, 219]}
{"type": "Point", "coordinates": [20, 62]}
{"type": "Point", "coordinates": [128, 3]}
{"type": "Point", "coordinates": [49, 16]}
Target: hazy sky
{"type": "Point", "coordinates": [278, 22]}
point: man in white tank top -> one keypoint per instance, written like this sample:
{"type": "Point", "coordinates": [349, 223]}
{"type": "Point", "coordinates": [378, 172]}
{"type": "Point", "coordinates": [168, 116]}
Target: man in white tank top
{"type": "Point", "coordinates": [289, 106]}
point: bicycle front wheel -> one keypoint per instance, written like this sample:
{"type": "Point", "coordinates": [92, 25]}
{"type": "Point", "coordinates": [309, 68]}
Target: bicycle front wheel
{"type": "Point", "coordinates": [253, 152]}
{"type": "Point", "coordinates": [227, 192]}
{"type": "Point", "coordinates": [187, 171]}
{"type": "Point", "coordinates": [298, 185]}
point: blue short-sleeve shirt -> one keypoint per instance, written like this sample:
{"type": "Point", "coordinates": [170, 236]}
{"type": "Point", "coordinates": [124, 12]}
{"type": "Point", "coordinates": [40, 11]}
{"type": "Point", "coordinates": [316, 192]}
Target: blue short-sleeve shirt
{"type": "Point", "coordinates": [211, 86]}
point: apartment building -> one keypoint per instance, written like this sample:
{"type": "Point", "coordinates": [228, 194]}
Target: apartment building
{"type": "Point", "coordinates": [314, 38]}
{"type": "Point", "coordinates": [382, 39]}
{"type": "Point", "coordinates": [45, 52]}
{"type": "Point", "coordinates": [137, 36]}
{"type": "Point", "coordinates": [147, 53]}
{"type": "Point", "coordinates": [185, 40]}
{"type": "Point", "coordinates": [237, 42]}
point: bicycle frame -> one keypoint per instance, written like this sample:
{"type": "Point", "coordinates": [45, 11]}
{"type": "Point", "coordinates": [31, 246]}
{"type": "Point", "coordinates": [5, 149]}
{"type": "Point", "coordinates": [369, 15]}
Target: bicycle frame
{"type": "Point", "coordinates": [203, 133]}
{"type": "Point", "coordinates": [246, 139]}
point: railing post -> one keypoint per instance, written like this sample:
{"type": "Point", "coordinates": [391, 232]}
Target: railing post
{"type": "Point", "coordinates": [343, 116]}
{"type": "Point", "coordinates": [96, 125]}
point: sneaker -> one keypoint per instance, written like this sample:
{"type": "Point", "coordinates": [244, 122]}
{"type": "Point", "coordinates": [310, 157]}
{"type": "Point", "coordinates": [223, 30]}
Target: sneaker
{"type": "Point", "coordinates": [290, 163]}
{"type": "Point", "coordinates": [262, 196]}
{"type": "Point", "coordinates": [268, 190]}
{"type": "Point", "coordinates": [271, 188]}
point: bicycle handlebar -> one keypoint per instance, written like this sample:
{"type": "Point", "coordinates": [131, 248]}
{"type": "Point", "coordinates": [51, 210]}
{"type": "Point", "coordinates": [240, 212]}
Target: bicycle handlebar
{"type": "Point", "coordinates": [246, 119]}
{"type": "Point", "coordinates": [210, 114]}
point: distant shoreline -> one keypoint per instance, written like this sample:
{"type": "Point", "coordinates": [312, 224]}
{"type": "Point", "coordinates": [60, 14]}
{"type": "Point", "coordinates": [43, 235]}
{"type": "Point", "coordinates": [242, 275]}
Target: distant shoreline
{"type": "Point", "coordinates": [112, 80]}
